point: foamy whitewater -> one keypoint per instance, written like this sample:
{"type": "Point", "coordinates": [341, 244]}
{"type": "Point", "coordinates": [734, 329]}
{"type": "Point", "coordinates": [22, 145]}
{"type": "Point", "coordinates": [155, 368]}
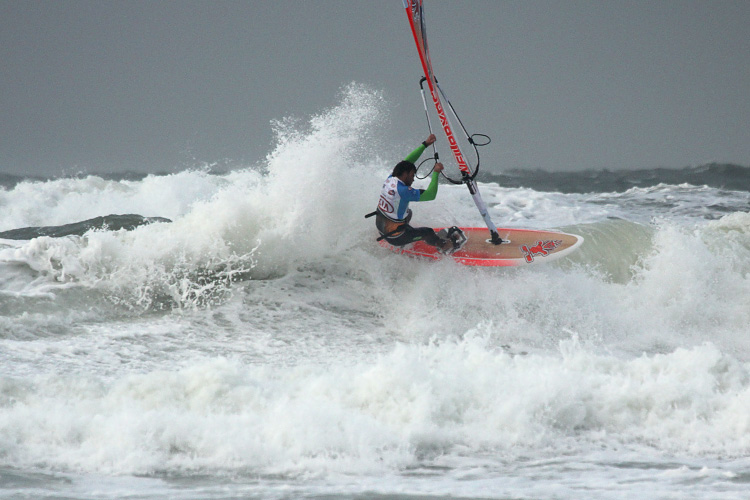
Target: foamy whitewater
{"type": "Point", "coordinates": [262, 345]}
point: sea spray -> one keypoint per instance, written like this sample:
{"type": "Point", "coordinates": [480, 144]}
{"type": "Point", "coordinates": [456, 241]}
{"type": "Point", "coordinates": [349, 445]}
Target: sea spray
{"type": "Point", "coordinates": [297, 211]}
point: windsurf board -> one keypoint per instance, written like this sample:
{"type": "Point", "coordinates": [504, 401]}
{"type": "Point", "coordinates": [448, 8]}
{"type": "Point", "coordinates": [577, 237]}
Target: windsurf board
{"type": "Point", "coordinates": [521, 247]}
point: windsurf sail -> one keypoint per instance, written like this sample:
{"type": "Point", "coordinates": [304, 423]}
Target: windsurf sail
{"type": "Point", "coordinates": [415, 12]}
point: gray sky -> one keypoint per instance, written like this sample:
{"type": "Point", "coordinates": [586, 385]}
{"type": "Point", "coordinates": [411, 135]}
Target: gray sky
{"type": "Point", "coordinates": [103, 86]}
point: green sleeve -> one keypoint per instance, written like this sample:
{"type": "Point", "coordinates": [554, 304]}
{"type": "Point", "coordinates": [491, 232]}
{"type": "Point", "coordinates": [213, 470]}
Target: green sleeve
{"type": "Point", "coordinates": [430, 193]}
{"type": "Point", "coordinates": [414, 155]}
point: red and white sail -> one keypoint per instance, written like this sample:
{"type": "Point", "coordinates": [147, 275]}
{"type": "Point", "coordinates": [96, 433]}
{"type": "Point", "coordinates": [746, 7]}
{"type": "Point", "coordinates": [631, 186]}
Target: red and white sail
{"type": "Point", "coordinates": [415, 12]}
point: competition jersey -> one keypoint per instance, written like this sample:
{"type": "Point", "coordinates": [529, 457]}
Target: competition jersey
{"type": "Point", "coordinates": [395, 197]}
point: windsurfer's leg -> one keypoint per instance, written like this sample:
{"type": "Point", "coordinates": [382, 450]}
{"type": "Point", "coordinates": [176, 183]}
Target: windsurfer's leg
{"type": "Point", "coordinates": [412, 234]}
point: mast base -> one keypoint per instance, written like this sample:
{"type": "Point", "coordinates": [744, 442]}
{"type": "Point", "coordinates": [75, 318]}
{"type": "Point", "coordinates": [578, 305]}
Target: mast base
{"type": "Point", "coordinates": [496, 239]}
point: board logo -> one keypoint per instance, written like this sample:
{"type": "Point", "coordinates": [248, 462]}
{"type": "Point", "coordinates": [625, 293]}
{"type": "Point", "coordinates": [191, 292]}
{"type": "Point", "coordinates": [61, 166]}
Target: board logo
{"type": "Point", "coordinates": [541, 249]}
{"type": "Point", "coordinates": [385, 206]}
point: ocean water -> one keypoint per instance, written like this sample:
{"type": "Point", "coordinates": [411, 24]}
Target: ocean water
{"type": "Point", "coordinates": [261, 345]}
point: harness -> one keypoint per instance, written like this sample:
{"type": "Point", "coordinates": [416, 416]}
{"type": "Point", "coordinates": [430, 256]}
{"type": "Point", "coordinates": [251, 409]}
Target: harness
{"type": "Point", "coordinates": [395, 232]}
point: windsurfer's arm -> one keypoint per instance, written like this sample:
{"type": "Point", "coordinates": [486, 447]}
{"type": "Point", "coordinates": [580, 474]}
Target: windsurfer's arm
{"type": "Point", "coordinates": [414, 155]}
{"type": "Point", "coordinates": [430, 193]}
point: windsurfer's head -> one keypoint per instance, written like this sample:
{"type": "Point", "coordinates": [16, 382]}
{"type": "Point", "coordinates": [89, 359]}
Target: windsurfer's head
{"type": "Point", "coordinates": [403, 167]}
{"type": "Point", "coordinates": [405, 170]}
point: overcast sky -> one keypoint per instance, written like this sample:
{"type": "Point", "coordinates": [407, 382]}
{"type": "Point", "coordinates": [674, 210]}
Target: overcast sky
{"type": "Point", "coordinates": [153, 86]}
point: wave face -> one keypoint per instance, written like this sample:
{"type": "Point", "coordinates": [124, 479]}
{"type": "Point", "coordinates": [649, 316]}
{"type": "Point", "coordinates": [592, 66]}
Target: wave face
{"type": "Point", "coordinates": [261, 344]}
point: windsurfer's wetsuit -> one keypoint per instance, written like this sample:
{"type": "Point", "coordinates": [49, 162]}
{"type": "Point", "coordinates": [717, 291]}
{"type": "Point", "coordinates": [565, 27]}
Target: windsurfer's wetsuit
{"type": "Point", "coordinates": [393, 214]}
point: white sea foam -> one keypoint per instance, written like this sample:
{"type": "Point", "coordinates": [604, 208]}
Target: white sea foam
{"type": "Point", "coordinates": [417, 404]}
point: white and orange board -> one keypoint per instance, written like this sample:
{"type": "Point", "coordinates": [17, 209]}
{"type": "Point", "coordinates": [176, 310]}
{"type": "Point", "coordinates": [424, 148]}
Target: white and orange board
{"type": "Point", "coordinates": [523, 247]}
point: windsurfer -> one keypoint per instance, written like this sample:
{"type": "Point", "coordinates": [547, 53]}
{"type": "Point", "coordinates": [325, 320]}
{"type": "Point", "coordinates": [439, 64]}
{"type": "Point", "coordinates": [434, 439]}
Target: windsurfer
{"type": "Point", "coordinates": [393, 213]}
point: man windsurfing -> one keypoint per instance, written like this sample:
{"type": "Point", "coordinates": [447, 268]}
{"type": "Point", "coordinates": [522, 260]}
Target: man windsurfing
{"type": "Point", "coordinates": [393, 213]}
